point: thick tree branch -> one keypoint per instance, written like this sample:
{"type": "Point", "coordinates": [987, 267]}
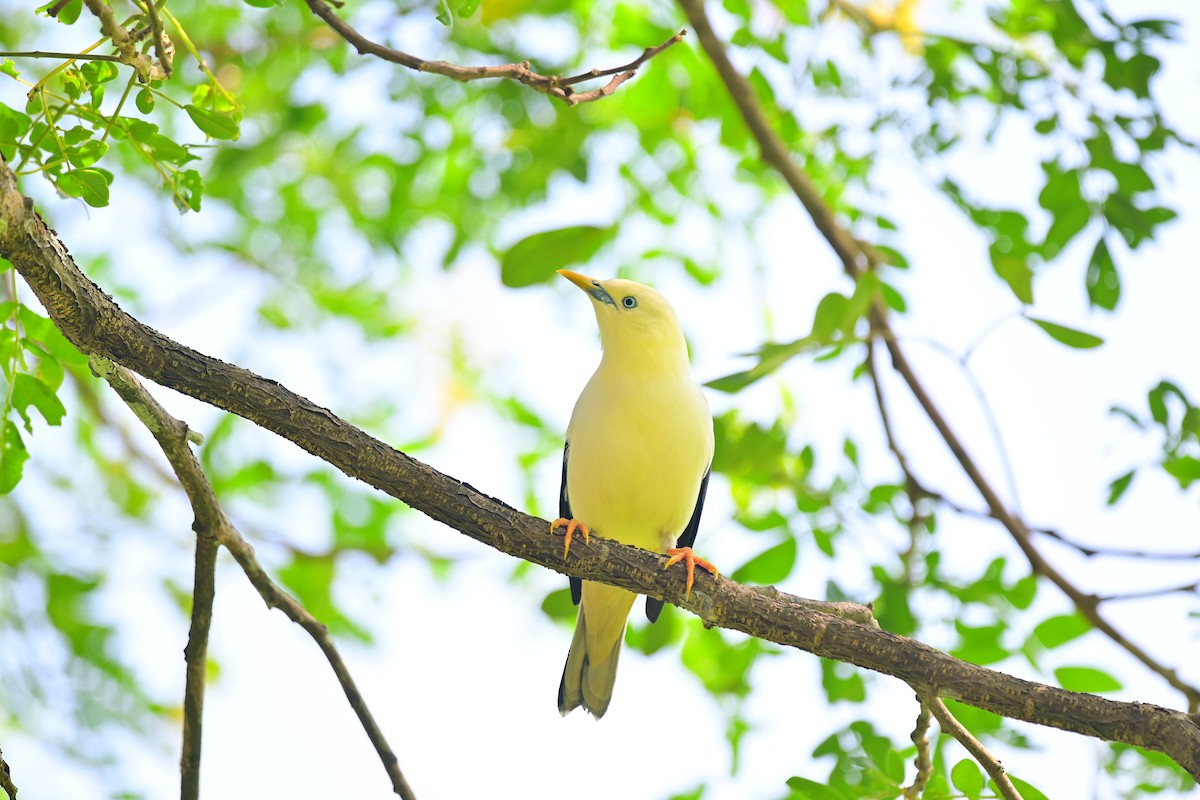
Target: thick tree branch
{"type": "Point", "coordinates": [840, 631]}
{"type": "Point", "coordinates": [857, 257]}
{"type": "Point", "coordinates": [553, 85]}
{"type": "Point", "coordinates": [213, 527]}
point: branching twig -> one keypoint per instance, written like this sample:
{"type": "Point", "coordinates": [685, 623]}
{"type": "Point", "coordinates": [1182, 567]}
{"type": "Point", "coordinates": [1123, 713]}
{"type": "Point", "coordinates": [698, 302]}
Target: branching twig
{"type": "Point", "coordinates": [841, 631]}
{"type": "Point", "coordinates": [213, 527]}
{"type": "Point", "coordinates": [6, 778]}
{"type": "Point", "coordinates": [126, 43]}
{"type": "Point", "coordinates": [990, 763]}
{"type": "Point", "coordinates": [552, 85]}
{"type": "Point", "coordinates": [856, 257]}
{"type": "Point", "coordinates": [924, 760]}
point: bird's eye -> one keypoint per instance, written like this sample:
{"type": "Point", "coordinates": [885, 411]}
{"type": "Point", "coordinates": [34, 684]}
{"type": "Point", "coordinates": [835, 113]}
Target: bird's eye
{"type": "Point", "coordinates": [629, 302]}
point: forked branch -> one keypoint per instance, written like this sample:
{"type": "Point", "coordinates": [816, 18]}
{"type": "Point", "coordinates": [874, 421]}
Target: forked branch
{"type": "Point", "coordinates": [552, 85]}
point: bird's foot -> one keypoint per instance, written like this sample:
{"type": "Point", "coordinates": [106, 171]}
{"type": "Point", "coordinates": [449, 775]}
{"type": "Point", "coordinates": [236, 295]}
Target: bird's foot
{"type": "Point", "coordinates": [690, 559]}
{"type": "Point", "coordinates": [572, 526]}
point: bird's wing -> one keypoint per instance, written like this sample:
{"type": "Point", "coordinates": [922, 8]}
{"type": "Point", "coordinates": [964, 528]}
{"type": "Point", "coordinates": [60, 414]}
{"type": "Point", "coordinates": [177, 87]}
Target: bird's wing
{"type": "Point", "coordinates": [654, 606]}
{"type": "Point", "coordinates": [564, 511]}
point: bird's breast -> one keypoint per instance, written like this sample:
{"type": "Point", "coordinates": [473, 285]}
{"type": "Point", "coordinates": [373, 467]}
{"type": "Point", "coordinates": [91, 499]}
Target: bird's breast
{"type": "Point", "coordinates": [638, 452]}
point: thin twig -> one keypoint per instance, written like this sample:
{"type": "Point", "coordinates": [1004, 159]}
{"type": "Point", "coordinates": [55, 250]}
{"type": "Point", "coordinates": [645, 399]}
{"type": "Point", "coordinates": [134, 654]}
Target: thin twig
{"type": "Point", "coordinates": [1116, 552]}
{"type": "Point", "coordinates": [552, 85]}
{"type": "Point", "coordinates": [856, 257]}
{"type": "Point", "coordinates": [212, 526]}
{"type": "Point", "coordinates": [924, 760]}
{"type": "Point", "coordinates": [51, 54]}
{"type": "Point", "coordinates": [989, 762]}
{"type": "Point", "coordinates": [913, 488]}
{"type": "Point", "coordinates": [1148, 593]}
{"type": "Point", "coordinates": [162, 45]}
{"type": "Point", "coordinates": [6, 778]}
{"type": "Point", "coordinates": [196, 658]}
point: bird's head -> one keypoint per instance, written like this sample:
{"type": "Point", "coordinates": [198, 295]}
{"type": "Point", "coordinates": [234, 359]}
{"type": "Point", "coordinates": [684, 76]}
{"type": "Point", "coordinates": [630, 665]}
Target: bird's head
{"type": "Point", "coordinates": [633, 318]}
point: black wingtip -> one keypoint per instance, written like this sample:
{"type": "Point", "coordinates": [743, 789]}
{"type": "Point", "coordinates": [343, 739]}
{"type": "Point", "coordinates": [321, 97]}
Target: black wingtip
{"type": "Point", "coordinates": [654, 607]}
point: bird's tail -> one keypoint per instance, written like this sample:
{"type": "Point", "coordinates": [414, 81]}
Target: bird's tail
{"type": "Point", "coordinates": [591, 668]}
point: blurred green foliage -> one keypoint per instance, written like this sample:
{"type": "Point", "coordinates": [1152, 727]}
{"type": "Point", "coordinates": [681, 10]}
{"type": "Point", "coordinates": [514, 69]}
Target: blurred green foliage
{"type": "Point", "coordinates": [310, 152]}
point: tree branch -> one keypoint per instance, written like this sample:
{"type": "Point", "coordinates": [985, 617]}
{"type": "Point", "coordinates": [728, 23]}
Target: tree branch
{"type": "Point", "coordinates": [924, 760]}
{"type": "Point", "coordinates": [213, 527]}
{"type": "Point", "coordinates": [989, 762]}
{"type": "Point", "coordinates": [552, 85]}
{"type": "Point", "coordinates": [6, 778]}
{"type": "Point", "coordinates": [857, 257]}
{"type": "Point", "coordinates": [841, 631]}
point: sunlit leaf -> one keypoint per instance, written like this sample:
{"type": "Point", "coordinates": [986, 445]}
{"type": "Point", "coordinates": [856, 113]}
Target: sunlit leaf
{"type": "Point", "coordinates": [1068, 336]}
{"type": "Point", "coordinates": [1086, 679]}
{"type": "Point", "coordinates": [770, 566]}
{"type": "Point", "coordinates": [1117, 489]}
{"type": "Point", "coordinates": [968, 778]}
{"type": "Point", "coordinates": [215, 124]}
{"type": "Point", "coordinates": [1058, 630]}
{"type": "Point", "coordinates": [535, 258]}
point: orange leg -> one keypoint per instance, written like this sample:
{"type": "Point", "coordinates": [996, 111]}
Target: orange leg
{"type": "Point", "coordinates": [572, 526]}
{"type": "Point", "coordinates": [690, 559]}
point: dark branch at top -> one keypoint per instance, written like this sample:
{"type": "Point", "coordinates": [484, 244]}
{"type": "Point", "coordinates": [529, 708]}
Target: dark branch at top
{"type": "Point", "coordinates": [552, 85]}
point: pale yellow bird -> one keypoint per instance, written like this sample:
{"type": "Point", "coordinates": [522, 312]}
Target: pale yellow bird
{"type": "Point", "coordinates": [635, 469]}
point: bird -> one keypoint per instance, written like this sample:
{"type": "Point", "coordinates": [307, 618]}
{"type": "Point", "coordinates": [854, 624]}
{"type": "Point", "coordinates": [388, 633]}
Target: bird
{"type": "Point", "coordinates": [636, 464]}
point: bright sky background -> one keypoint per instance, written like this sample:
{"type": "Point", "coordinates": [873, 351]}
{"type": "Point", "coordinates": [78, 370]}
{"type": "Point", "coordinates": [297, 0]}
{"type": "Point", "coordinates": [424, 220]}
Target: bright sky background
{"type": "Point", "coordinates": [464, 675]}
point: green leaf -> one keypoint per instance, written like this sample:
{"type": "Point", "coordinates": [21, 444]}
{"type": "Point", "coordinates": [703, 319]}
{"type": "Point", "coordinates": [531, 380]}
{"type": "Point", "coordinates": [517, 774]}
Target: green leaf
{"type": "Point", "coordinates": [29, 391]}
{"type": "Point", "coordinates": [1103, 280]}
{"type": "Point", "coordinates": [1117, 488]}
{"type": "Point", "coordinates": [558, 605]}
{"type": "Point", "coordinates": [968, 778]}
{"type": "Point", "coordinates": [89, 184]}
{"type": "Point", "coordinates": [216, 125]}
{"type": "Point", "coordinates": [1015, 271]}
{"type": "Point", "coordinates": [466, 8]}
{"type": "Point", "coordinates": [1027, 791]}
{"type": "Point", "coordinates": [535, 258]}
{"type": "Point", "coordinates": [829, 316]}
{"type": "Point", "coordinates": [805, 789]}
{"type": "Point", "coordinates": [1021, 593]}
{"type": "Point", "coordinates": [770, 566]}
{"type": "Point", "coordinates": [1058, 630]}
{"type": "Point", "coordinates": [87, 154]}
{"type": "Point", "coordinates": [1068, 336]}
{"type": "Point", "coordinates": [1086, 679]}
{"type": "Point", "coordinates": [842, 682]}
{"type": "Point", "coordinates": [145, 101]}
{"type": "Point", "coordinates": [892, 297]}
{"type": "Point", "coordinates": [771, 357]}
{"type": "Point", "coordinates": [13, 456]}
{"type": "Point", "coordinates": [1185, 469]}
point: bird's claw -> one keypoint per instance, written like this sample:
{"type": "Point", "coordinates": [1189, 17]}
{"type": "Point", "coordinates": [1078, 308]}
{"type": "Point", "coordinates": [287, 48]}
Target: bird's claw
{"type": "Point", "coordinates": [572, 526]}
{"type": "Point", "coordinates": [691, 560]}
